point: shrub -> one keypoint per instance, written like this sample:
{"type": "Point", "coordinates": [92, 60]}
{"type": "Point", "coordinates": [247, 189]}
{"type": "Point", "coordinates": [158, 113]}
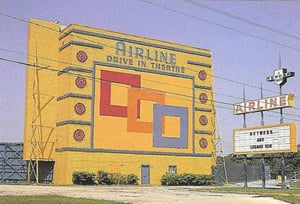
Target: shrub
{"type": "Point", "coordinates": [105, 178]}
{"type": "Point", "coordinates": [117, 178]}
{"type": "Point", "coordinates": [132, 179]}
{"type": "Point", "coordinates": [170, 179]}
{"type": "Point", "coordinates": [84, 178]}
{"type": "Point", "coordinates": [186, 179]}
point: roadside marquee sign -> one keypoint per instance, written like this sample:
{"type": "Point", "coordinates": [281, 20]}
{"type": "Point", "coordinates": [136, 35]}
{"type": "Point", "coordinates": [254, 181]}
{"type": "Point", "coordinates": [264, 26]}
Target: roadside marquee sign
{"type": "Point", "coordinates": [275, 102]}
{"type": "Point", "coordinates": [279, 138]}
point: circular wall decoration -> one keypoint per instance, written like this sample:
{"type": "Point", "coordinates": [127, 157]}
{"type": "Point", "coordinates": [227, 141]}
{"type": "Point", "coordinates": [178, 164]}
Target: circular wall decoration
{"type": "Point", "coordinates": [203, 143]}
{"type": "Point", "coordinates": [79, 108]}
{"type": "Point", "coordinates": [78, 135]}
{"type": "Point", "coordinates": [202, 75]}
{"type": "Point", "coordinates": [81, 56]}
{"type": "Point", "coordinates": [203, 120]}
{"type": "Point", "coordinates": [203, 98]}
{"type": "Point", "coordinates": [80, 82]}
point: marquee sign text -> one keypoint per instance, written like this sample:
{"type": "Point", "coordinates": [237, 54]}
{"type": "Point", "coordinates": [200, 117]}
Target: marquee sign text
{"type": "Point", "coordinates": [276, 102]}
{"type": "Point", "coordinates": [147, 58]}
{"type": "Point", "coordinates": [265, 139]}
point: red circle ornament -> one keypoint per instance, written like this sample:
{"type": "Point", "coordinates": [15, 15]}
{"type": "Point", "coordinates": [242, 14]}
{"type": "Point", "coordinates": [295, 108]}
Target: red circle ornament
{"type": "Point", "coordinates": [203, 98]}
{"type": "Point", "coordinates": [80, 82]}
{"type": "Point", "coordinates": [79, 108]}
{"type": "Point", "coordinates": [78, 135]}
{"type": "Point", "coordinates": [202, 75]}
{"type": "Point", "coordinates": [203, 143]}
{"type": "Point", "coordinates": [203, 120]}
{"type": "Point", "coordinates": [81, 56]}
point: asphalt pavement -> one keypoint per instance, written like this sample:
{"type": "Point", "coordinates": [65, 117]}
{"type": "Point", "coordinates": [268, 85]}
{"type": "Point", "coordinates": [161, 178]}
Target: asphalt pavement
{"type": "Point", "coordinates": [142, 194]}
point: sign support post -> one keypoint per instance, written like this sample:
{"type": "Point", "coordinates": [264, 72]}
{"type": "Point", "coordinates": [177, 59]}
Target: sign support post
{"type": "Point", "coordinates": [280, 77]}
{"type": "Point", "coordinates": [263, 167]}
{"type": "Point", "coordinates": [263, 171]}
{"type": "Point", "coordinates": [245, 156]}
{"type": "Point", "coordinates": [282, 155]}
{"type": "Point", "coordinates": [245, 171]}
{"type": "Point", "coordinates": [282, 171]}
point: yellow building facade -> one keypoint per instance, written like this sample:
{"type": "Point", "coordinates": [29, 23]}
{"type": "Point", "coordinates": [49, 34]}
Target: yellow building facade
{"type": "Point", "coordinates": [102, 100]}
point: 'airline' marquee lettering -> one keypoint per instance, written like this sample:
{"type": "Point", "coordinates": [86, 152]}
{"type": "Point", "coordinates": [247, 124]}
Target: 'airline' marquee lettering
{"type": "Point", "coordinates": [275, 102]}
{"type": "Point", "coordinates": [147, 54]}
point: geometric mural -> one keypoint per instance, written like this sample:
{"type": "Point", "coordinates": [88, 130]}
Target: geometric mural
{"type": "Point", "coordinates": [159, 140]}
{"type": "Point", "coordinates": [134, 95]}
{"type": "Point", "coordinates": [132, 111]}
{"type": "Point", "coordinates": [109, 77]}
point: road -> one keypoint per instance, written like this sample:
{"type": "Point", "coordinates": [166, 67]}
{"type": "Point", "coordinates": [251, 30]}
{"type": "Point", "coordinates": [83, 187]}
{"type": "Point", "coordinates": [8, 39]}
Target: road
{"type": "Point", "coordinates": [138, 194]}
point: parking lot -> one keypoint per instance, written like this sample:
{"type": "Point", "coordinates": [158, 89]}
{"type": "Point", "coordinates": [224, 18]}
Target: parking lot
{"type": "Point", "coordinates": [138, 194]}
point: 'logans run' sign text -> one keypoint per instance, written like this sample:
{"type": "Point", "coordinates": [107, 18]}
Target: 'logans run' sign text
{"type": "Point", "coordinates": [265, 139]}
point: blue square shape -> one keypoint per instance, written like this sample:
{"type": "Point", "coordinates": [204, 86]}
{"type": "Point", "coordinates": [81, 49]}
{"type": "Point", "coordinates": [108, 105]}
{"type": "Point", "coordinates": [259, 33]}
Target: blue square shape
{"type": "Point", "coordinates": [163, 110]}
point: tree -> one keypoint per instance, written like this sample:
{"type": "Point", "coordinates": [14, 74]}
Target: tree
{"type": "Point", "coordinates": [292, 163]}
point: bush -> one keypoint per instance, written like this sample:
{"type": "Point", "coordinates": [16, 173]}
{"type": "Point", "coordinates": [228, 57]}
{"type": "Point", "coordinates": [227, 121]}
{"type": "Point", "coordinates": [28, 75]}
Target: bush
{"type": "Point", "coordinates": [186, 179]}
{"type": "Point", "coordinates": [119, 179]}
{"type": "Point", "coordinates": [105, 178]}
{"type": "Point", "coordinates": [170, 179]}
{"type": "Point", "coordinates": [132, 179]}
{"type": "Point", "coordinates": [84, 178]}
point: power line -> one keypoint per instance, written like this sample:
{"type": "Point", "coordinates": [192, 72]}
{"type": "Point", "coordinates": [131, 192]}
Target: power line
{"type": "Point", "coordinates": [185, 14]}
{"type": "Point", "coordinates": [99, 79]}
{"type": "Point", "coordinates": [234, 81]}
{"type": "Point", "coordinates": [80, 37]}
{"type": "Point", "coordinates": [243, 19]}
{"type": "Point", "coordinates": [16, 52]}
{"type": "Point", "coordinates": [250, 85]}
{"type": "Point", "coordinates": [160, 82]}
{"type": "Point", "coordinates": [194, 70]}
{"type": "Point", "coordinates": [222, 26]}
{"type": "Point", "coordinates": [166, 92]}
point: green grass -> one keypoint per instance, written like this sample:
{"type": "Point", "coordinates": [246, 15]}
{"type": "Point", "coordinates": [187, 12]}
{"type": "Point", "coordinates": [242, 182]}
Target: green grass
{"type": "Point", "coordinates": [287, 195]}
{"type": "Point", "coordinates": [51, 199]}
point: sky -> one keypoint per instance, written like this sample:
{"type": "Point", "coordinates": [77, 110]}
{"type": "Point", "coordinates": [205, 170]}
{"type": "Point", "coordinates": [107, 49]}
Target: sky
{"type": "Point", "coordinates": [246, 39]}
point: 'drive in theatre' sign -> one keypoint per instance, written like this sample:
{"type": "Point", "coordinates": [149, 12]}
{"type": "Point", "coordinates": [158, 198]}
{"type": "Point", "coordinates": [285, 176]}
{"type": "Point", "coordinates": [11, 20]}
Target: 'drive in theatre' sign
{"type": "Point", "coordinates": [276, 102]}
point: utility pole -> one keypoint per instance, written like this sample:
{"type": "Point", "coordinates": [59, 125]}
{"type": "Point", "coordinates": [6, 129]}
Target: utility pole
{"type": "Point", "coordinates": [280, 77]}
{"type": "Point", "coordinates": [263, 162]}
{"type": "Point", "coordinates": [245, 156]}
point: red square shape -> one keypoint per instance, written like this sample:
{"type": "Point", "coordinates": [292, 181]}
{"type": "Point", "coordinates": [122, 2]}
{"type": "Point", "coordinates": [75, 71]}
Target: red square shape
{"type": "Point", "coordinates": [106, 109]}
